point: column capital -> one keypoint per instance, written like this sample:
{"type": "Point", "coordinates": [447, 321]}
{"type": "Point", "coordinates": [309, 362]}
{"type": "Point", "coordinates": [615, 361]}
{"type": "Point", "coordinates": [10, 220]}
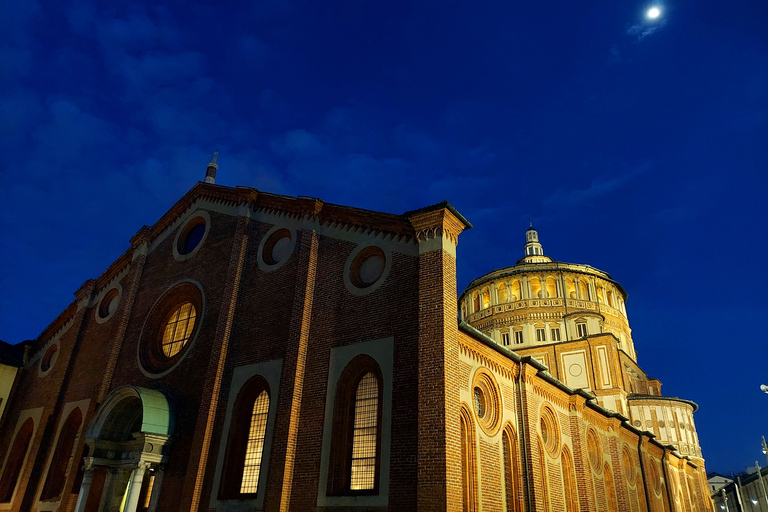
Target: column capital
{"type": "Point", "coordinates": [441, 219]}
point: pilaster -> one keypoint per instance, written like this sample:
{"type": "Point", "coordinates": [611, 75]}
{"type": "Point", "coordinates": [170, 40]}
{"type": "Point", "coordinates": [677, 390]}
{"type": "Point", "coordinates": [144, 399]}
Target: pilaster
{"type": "Point", "coordinates": [439, 435]}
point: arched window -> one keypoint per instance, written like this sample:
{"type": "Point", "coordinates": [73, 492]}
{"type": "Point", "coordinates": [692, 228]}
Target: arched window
{"type": "Point", "coordinates": [57, 470]}
{"type": "Point", "coordinates": [570, 288]}
{"type": "Point", "coordinates": [467, 461]}
{"type": "Point", "coordinates": [536, 288]}
{"type": "Point", "coordinates": [543, 477]}
{"type": "Point", "coordinates": [356, 431]}
{"type": "Point", "coordinates": [502, 292]}
{"type": "Point", "coordinates": [583, 290]}
{"type": "Point", "coordinates": [551, 287]}
{"type": "Point", "coordinates": [486, 298]}
{"type": "Point", "coordinates": [245, 445]}
{"type": "Point", "coordinates": [516, 291]}
{"type": "Point", "coordinates": [569, 482]}
{"type": "Point", "coordinates": [512, 481]}
{"type": "Point", "coordinates": [475, 302]}
{"type": "Point", "coordinates": [15, 461]}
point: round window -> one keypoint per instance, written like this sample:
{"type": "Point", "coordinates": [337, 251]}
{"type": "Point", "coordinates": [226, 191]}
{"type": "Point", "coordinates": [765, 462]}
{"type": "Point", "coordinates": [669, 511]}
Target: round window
{"type": "Point", "coordinates": [109, 303]}
{"type": "Point", "coordinates": [191, 236]}
{"type": "Point", "coordinates": [487, 400]}
{"type": "Point", "coordinates": [47, 361]}
{"type": "Point", "coordinates": [367, 267]}
{"type": "Point", "coordinates": [549, 430]}
{"type": "Point", "coordinates": [277, 247]}
{"type": "Point", "coordinates": [479, 402]}
{"type": "Point", "coordinates": [629, 466]}
{"type": "Point", "coordinates": [594, 450]}
{"type": "Point", "coordinates": [170, 328]}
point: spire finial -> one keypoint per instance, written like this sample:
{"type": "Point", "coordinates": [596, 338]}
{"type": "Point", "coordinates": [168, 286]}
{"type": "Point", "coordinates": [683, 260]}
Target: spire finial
{"type": "Point", "coordinates": [210, 171]}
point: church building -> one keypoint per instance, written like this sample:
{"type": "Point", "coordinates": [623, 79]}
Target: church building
{"type": "Point", "coordinates": [252, 351]}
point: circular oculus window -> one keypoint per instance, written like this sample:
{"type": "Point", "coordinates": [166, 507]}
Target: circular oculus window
{"type": "Point", "coordinates": [628, 465]}
{"type": "Point", "coordinates": [46, 362]}
{"type": "Point", "coordinates": [277, 247]}
{"type": "Point", "coordinates": [594, 451]}
{"type": "Point", "coordinates": [108, 304]}
{"type": "Point", "coordinates": [550, 430]}
{"type": "Point", "coordinates": [486, 399]}
{"type": "Point", "coordinates": [366, 269]}
{"type": "Point", "coordinates": [170, 329]}
{"type": "Point", "coordinates": [191, 236]}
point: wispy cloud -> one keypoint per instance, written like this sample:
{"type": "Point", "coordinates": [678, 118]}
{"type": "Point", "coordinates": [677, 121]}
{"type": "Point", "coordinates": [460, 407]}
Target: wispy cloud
{"type": "Point", "coordinates": [569, 198]}
{"type": "Point", "coordinates": [644, 29]}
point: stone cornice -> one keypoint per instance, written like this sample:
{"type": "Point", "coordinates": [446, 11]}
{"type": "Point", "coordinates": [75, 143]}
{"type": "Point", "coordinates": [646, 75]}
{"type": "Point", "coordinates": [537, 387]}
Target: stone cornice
{"type": "Point", "coordinates": [438, 220]}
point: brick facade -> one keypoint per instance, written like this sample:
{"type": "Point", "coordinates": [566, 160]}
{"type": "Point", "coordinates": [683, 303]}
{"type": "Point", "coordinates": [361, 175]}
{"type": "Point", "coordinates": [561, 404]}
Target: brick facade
{"type": "Point", "coordinates": [295, 323]}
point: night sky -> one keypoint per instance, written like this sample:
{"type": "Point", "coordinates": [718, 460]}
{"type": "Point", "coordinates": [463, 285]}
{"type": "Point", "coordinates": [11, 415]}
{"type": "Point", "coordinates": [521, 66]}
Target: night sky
{"type": "Point", "coordinates": [639, 147]}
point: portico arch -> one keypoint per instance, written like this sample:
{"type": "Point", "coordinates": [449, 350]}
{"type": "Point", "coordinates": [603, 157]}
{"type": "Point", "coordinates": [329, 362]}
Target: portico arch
{"type": "Point", "coordinates": [128, 439]}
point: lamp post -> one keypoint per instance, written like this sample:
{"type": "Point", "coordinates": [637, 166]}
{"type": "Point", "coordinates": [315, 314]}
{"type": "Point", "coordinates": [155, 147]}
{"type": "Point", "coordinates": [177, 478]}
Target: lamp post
{"type": "Point", "coordinates": [725, 499]}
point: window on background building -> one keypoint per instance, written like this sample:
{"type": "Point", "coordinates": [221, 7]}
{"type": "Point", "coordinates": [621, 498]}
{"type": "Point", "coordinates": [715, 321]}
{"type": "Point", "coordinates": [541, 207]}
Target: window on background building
{"type": "Point", "coordinates": [505, 338]}
{"type": "Point", "coordinates": [581, 329]}
{"type": "Point", "coordinates": [245, 444]}
{"type": "Point", "coordinates": [541, 334]}
{"type": "Point", "coordinates": [518, 337]}
{"type": "Point", "coordinates": [356, 430]}
{"type": "Point", "coordinates": [555, 334]}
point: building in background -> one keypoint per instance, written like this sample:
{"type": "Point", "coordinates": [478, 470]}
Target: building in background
{"type": "Point", "coordinates": [573, 319]}
{"type": "Point", "coordinates": [11, 359]}
{"type": "Point", "coordinates": [252, 351]}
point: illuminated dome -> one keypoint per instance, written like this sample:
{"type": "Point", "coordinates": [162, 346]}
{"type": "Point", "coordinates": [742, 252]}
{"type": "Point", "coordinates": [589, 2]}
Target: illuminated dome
{"type": "Point", "coordinates": [539, 301]}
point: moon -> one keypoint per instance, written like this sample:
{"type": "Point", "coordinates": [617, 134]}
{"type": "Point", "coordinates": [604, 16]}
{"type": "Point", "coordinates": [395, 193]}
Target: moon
{"type": "Point", "coordinates": [653, 13]}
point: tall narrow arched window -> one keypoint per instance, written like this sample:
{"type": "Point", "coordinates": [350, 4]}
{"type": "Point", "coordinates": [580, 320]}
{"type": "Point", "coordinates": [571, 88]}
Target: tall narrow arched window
{"type": "Point", "coordinates": [57, 470]}
{"type": "Point", "coordinates": [512, 481]}
{"type": "Point", "coordinates": [467, 461]}
{"type": "Point", "coordinates": [14, 463]}
{"type": "Point", "coordinates": [543, 476]}
{"type": "Point", "coordinates": [569, 482]}
{"type": "Point", "coordinates": [245, 444]}
{"type": "Point", "coordinates": [356, 431]}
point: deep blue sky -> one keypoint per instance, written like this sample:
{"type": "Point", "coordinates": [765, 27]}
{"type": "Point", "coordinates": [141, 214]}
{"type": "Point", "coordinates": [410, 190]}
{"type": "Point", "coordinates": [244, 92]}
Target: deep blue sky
{"type": "Point", "coordinates": [639, 148]}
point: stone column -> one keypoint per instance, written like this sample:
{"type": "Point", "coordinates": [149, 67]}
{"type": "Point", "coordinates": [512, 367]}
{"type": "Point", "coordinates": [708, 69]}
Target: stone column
{"type": "Point", "coordinates": [134, 489]}
{"type": "Point", "coordinates": [156, 487]}
{"type": "Point", "coordinates": [85, 487]}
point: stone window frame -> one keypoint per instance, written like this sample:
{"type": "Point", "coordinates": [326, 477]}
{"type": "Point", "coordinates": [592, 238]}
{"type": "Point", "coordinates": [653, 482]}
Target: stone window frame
{"type": "Point", "coordinates": [268, 241]}
{"type": "Point", "coordinates": [237, 441]}
{"type": "Point", "coordinates": [342, 430]}
{"type": "Point", "coordinates": [270, 371]}
{"type": "Point", "coordinates": [505, 339]}
{"type": "Point", "coordinates": [519, 339]}
{"type": "Point", "coordinates": [187, 223]}
{"type": "Point", "coordinates": [382, 352]}
{"type": "Point", "coordinates": [152, 361]}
